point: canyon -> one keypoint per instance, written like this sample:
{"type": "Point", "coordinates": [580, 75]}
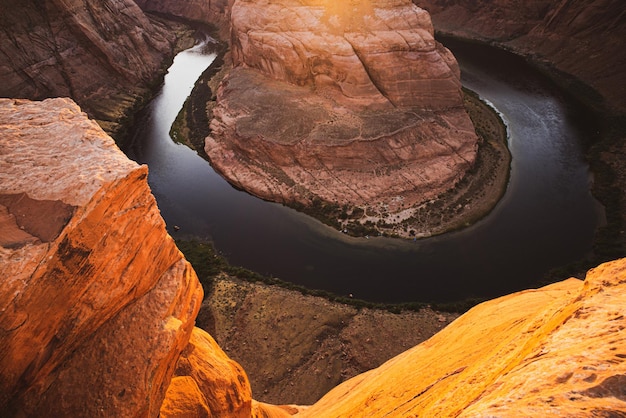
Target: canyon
{"type": "Point", "coordinates": [97, 306]}
{"type": "Point", "coordinates": [580, 41]}
{"type": "Point", "coordinates": [98, 313]}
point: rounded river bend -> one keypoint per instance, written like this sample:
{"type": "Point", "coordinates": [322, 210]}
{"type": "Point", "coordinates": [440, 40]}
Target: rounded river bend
{"type": "Point", "coordinates": [546, 219]}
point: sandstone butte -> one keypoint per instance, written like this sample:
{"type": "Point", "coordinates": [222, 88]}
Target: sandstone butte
{"type": "Point", "coordinates": [351, 104]}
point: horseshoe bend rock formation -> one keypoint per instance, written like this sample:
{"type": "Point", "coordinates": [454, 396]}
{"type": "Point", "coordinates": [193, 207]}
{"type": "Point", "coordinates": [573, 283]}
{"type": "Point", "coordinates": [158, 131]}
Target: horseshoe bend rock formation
{"type": "Point", "coordinates": [96, 302]}
{"type": "Point", "coordinates": [351, 103]}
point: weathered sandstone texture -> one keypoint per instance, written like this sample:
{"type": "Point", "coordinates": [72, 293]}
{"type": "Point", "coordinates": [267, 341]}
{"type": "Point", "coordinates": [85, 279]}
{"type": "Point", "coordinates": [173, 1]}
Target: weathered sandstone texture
{"type": "Point", "coordinates": [207, 383]}
{"type": "Point", "coordinates": [347, 103]}
{"type": "Point", "coordinates": [104, 54]}
{"type": "Point", "coordinates": [553, 352]}
{"type": "Point", "coordinates": [96, 301]}
{"type": "Point", "coordinates": [205, 376]}
{"type": "Point", "coordinates": [580, 38]}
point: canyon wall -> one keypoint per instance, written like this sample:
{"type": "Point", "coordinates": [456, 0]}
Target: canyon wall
{"type": "Point", "coordinates": [582, 39]}
{"type": "Point", "coordinates": [106, 54]}
{"type": "Point", "coordinates": [97, 304]}
{"type": "Point", "coordinates": [97, 310]}
{"type": "Point", "coordinates": [380, 119]}
{"type": "Point", "coordinates": [215, 12]}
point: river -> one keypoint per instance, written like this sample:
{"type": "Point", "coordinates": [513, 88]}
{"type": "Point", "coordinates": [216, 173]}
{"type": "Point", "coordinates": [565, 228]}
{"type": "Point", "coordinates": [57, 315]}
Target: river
{"type": "Point", "coordinates": [546, 218]}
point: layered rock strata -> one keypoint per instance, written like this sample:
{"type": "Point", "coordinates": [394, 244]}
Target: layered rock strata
{"type": "Point", "coordinates": [582, 39]}
{"type": "Point", "coordinates": [552, 352]}
{"type": "Point", "coordinates": [104, 54]}
{"type": "Point", "coordinates": [96, 302]}
{"type": "Point", "coordinates": [351, 104]}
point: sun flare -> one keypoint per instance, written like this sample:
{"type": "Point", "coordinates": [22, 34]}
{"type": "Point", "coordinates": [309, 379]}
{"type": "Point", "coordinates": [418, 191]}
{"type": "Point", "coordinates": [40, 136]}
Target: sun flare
{"type": "Point", "coordinates": [345, 15]}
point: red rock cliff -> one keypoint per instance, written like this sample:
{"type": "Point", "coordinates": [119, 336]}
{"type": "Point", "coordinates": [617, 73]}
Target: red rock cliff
{"type": "Point", "coordinates": [95, 311]}
{"type": "Point", "coordinates": [580, 38]}
{"type": "Point", "coordinates": [103, 54]}
{"type": "Point", "coordinates": [205, 11]}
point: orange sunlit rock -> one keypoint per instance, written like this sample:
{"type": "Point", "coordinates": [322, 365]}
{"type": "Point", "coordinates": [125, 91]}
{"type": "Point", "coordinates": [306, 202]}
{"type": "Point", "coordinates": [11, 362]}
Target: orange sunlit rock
{"type": "Point", "coordinates": [552, 352]}
{"type": "Point", "coordinates": [94, 314]}
{"type": "Point", "coordinates": [222, 382]}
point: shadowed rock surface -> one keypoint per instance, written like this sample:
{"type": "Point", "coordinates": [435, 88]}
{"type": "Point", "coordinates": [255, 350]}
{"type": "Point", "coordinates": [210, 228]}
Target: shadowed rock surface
{"type": "Point", "coordinates": [106, 55]}
{"type": "Point", "coordinates": [582, 39]}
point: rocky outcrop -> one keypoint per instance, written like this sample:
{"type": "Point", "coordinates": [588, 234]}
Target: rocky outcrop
{"type": "Point", "coordinates": [104, 54]}
{"type": "Point", "coordinates": [207, 382]}
{"type": "Point", "coordinates": [552, 352]}
{"type": "Point", "coordinates": [582, 39]}
{"type": "Point", "coordinates": [380, 118]}
{"type": "Point", "coordinates": [96, 302]}
{"type": "Point", "coordinates": [371, 53]}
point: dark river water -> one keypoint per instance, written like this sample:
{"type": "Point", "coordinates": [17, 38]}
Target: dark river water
{"type": "Point", "coordinates": [545, 220]}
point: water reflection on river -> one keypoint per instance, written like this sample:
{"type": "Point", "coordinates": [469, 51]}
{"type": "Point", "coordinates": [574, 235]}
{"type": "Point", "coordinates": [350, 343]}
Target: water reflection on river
{"type": "Point", "coordinates": [546, 219]}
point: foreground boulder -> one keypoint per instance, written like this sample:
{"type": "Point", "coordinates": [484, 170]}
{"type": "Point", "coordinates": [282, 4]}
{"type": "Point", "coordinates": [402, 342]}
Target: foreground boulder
{"type": "Point", "coordinates": [96, 301]}
{"type": "Point", "coordinates": [353, 105]}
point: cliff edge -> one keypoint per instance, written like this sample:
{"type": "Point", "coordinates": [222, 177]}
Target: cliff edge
{"type": "Point", "coordinates": [96, 302]}
{"type": "Point", "coordinates": [552, 352]}
{"type": "Point", "coordinates": [97, 310]}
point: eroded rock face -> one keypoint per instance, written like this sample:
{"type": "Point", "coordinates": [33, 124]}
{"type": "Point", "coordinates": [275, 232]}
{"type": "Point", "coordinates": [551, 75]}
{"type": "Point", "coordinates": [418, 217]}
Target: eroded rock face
{"type": "Point", "coordinates": [219, 385]}
{"type": "Point", "coordinates": [93, 314]}
{"type": "Point", "coordinates": [207, 383]}
{"type": "Point", "coordinates": [350, 103]}
{"type": "Point", "coordinates": [103, 54]}
{"type": "Point", "coordinates": [556, 351]}
{"type": "Point", "coordinates": [375, 53]}
{"type": "Point", "coordinates": [583, 39]}
{"type": "Point", "coordinates": [205, 11]}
